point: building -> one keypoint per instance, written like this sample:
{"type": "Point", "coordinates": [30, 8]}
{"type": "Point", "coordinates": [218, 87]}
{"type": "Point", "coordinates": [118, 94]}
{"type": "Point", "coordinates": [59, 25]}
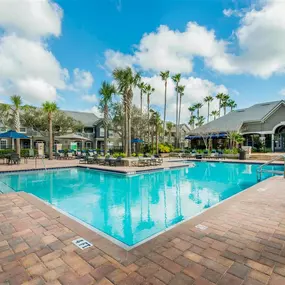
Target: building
{"type": "Point", "coordinates": [184, 130]}
{"type": "Point", "coordinates": [90, 137]}
{"type": "Point", "coordinates": [261, 123]}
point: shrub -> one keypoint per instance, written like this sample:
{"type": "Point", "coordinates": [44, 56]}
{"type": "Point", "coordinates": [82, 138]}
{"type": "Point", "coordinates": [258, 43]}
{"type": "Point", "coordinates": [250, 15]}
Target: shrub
{"type": "Point", "coordinates": [117, 154]}
{"type": "Point", "coordinates": [163, 148]}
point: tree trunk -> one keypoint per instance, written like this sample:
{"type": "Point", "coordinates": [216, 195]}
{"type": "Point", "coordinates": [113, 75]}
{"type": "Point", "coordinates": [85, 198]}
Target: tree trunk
{"type": "Point", "coordinates": [156, 139]}
{"type": "Point", "coordinates": [219, 108]}
{"type": "Point", "coordinates": [105, 128]}
{"type": "Point", "coordinates": [164, 115]}
{"type": "Point", "coordinates": [176, 134]}
{"type": "Point", "coordinates": [179, 114]}
{"type": "Point", "coordinates": [208, 112]}
{"type": "Point", "coordinates": [50, 136]}
{"type": "Point", "coordinates": [126, 128]}
{"type": "Point", "coordinates": [148, 124]}
{"type": "Point", "coordinates": [152, 135]}
{"type": "Point", "coordinates": [225, 110]}
{"type": "Point", "coordinates": [141, 101]}
{"type": "Point", "coordinates": [17, 129]}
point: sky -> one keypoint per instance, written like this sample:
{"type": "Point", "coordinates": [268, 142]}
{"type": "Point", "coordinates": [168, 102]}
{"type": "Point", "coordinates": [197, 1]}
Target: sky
{"type": "Point", "coordinates": [62, 50]}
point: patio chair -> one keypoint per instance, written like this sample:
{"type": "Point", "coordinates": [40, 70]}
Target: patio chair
{"type": "Point", "coordinates": [107, 161]}
{"type": "Point", "coordinates": [83, 159]}
{"type": "Point", "coordinates": [14, 159]}
{"type": "Point", "coordinates": [193, 153]}
{"type": "Point", "coordinates": [70, 155]}
{"type": "Point", "coordinates": [116, 162]}
{"type": "Point", "coordinates": [221, 155]}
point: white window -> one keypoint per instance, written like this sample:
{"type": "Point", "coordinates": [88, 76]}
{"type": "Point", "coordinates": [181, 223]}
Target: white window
{"type": "Point", "coordinates": [111, 133]}
{"type": "Point", "coordinates": [102, 132]}
{"type": "Point", "coordinates": [23, 130]}
{"type": "Point", "coordinates": [3, 144]}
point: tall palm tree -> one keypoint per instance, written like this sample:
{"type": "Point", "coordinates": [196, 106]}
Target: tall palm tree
{"type": "Point", "coordinates": [141, 86]}
{"type": "Point", "coordinates": [192, 109]}
{"type": "Point", "coordinates": [192, 121]}
{"type": "Point", "coordinates": [208, 100]}
{"type": "Point", "coordinates": [107, 90]}
{"type": "Point", "coordinates": [50, 108]}
{"type": "Point", "coordinates": [164, 77]}
{"type": "Point", "coordinates": [169, 126]}
{"type": "Point", "coordinates": [232, 104]}
{"type": "Point", "coordinates": [181, 89]}
{"type": "Point", "coordinates": [198, 106]}
{"type": "Point", "coordinates": [126, 81]}
{"type": "Point", "coordinates": [224, 103]}
{"type": "Point", "coordinates": [176, 78]}
{"type": "Point", "coordinates": [16, 106]}
{"type": "Point", "coordinates": [220, 97]}
{"type": "Point", "coordinates": [215, 114]}
{"type": "Point", "coordinates": [200, 121]}
{"type": "Point", "coordinates": [149, 90]}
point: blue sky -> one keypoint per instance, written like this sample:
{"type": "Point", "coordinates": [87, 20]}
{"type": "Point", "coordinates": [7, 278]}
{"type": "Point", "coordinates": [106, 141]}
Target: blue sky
{"type": "Point", "coordinates": [217, 45]}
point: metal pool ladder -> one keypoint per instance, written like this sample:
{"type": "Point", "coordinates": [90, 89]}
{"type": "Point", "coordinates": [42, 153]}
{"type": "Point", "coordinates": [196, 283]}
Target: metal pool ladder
{"type": "Point", "coordinates": [260, 169]}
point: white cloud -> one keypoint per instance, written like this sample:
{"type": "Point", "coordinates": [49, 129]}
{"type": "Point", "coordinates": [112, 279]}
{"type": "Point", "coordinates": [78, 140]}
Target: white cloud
{"type": "Point", "coordinates": [282, 92]}
{"type": "Point", "coordinates": [232, 12]}
{"type": "Point", "coordinates": [259, 43]}
{"type": "Point", "coordinates": [95, 110]}
{"type": "Point", "coordinates": [28, 67]}
{"type": "Point", "coordinates": [196, 89]}
{"type": "Point", "coordinates": [116, 59]}
{"type": "Point", "coordinates": [31, 18]}
{"type": "Point", "coordinates": [82, 79]}
{"type": "Point", "coordinates": [168, 49]}
{"type": "Point", "coordinates": [90, 98]}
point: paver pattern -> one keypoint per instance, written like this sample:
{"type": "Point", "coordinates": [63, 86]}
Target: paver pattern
{"type": "Point", "coordinates": [243, 245]}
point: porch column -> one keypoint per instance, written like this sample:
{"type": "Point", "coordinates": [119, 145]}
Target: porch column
{"type": "Point", "coordinates": [31, 143]}
{"type": "Point", "coordinates": [272, 142]}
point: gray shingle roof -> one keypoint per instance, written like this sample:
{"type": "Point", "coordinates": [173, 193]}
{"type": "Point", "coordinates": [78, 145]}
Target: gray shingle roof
{"type": "Point", "coordinates": [235, 119]}
{"type": "Point", "coordinates": [87, 119]}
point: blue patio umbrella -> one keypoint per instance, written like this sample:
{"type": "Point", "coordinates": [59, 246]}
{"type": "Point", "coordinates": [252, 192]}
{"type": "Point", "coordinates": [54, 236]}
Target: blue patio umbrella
{"type": "Point", "coordinates": [137, 140]}
{"type": "Point", "coordinates": [13, 135]}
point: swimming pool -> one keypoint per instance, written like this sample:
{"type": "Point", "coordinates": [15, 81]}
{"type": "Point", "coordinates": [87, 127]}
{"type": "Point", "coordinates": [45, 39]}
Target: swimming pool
{"type": "Point", "coordinates": [134, 208]}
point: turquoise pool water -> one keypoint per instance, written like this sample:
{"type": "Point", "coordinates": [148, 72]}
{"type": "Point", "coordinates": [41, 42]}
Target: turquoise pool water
{"type": "Point", "coordinates": [133, 208]}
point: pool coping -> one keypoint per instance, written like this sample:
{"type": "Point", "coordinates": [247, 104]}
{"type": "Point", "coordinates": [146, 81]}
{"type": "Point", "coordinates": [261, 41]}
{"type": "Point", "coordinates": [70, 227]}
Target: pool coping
{"type": "Point", "coordinates": [116, 241]}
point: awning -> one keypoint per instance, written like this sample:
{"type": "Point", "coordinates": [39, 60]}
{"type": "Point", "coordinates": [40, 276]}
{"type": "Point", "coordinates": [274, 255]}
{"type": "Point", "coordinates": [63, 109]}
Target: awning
{"type": "Point", "coordinates": [213, 136]}
{"type": "Point", "coordinates": [13, 135]}
{"type": "Point", "coordinates": [137, 140]}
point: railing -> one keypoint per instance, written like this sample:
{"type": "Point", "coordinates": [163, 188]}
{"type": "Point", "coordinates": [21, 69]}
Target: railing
{"type": "Point", "coordinates": [260, 169]}
{"type": "Point", "coordinates": [43, 161]}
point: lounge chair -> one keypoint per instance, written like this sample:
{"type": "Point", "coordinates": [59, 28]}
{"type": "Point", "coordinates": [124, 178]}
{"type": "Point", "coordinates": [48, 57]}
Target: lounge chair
{"type": "Point", "coordinates": [14, 159]}
{"type": "Point", "coordinates": [116, 162]}
{"type": "Point", "coordinates": [221, 155]}
{"type": "Point", "coordinates": [70, 155]}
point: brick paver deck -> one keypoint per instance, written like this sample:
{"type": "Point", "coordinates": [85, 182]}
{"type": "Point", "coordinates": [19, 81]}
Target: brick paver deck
{"type": "Point", "coordinates": [243, 244]}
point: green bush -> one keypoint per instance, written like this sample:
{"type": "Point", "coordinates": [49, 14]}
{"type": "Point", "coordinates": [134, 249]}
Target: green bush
{"type": "Point", "coordinates": [117, 154]}
{"type": "Point", "coordinates": [163, 148]}
{"type": "Point", "coordinates": [231, 151]}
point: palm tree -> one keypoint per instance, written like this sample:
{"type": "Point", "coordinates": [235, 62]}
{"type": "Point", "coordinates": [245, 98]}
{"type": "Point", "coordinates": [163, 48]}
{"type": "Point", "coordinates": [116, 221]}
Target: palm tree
{"type": "Point", "coordinates": [176, 78]}
{"type": "Point", "coordinates": [208, 100]}
{"type": "Point", "coordinates": [180, 90]}
{"type": "Point", "coordinates": [141, 86]}
{"type": "Point", "coordinates": [192, 121]}
{"type": "Point", "coordinates": [164, 77]}
{"type": "Point", "coordinates": [224, 103]}
{"type": "Point", "coordinates": [215, 114]}
{"type": "Point", "coordinates": [169, 127]}
{"type": "Point", "coordinates": [148, 90]}
{"type": "Point", "coordinates": [106, 91]}
{"type": "Point", "coordinates": [232, 104]}
{"type": "Point", "coordinates": [127, 80]}
{"type": "Point", "coordinates": [220, 97]}
{"type": "Point", "coordinates": [198, 106]}
{"type": "Point", "coordinates": [200, 121]}
{"type": "Point", "coordinates": [16, 106]}
{"type": "Point", "coordinates": [50, 108]}
{"type": "Point", "coordinates": [192, 109]}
